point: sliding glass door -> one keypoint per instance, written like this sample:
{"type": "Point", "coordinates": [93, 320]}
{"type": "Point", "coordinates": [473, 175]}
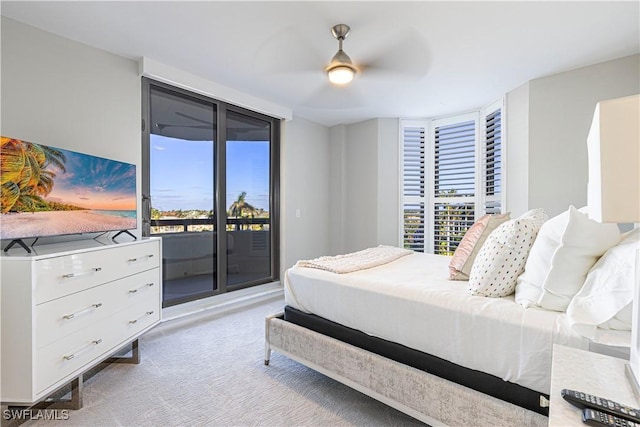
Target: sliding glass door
{"type": "Point", "coordinates": [181, 192]}
{"type": "Point", "coordinates": [248, 198]}
{"type": "Point", "coordinates": [214, 205]}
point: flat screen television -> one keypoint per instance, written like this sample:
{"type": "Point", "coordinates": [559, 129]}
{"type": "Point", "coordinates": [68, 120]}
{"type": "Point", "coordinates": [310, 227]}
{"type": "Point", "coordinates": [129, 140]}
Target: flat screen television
{"type": "Point", "coordinates": [49, 191]}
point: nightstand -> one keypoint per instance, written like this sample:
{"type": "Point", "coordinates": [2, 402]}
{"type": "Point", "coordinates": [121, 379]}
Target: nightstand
{"type": "Point", "coordinates": [591, 373]}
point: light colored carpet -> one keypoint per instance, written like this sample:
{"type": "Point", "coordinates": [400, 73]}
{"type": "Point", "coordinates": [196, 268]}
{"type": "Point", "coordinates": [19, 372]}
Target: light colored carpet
{"type": "Point", "coordinates": [208, 370]}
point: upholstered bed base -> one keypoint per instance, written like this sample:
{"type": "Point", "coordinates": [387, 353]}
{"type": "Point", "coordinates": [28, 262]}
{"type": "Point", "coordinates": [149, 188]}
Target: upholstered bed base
{"type": "Point", "coordinates": [479, 381]}
{"type": "Point", "coordinates": [424, 396]}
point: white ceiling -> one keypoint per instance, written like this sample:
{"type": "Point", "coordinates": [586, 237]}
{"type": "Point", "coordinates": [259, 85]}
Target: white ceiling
{"type": "Point", "coordinates": [433, 58]}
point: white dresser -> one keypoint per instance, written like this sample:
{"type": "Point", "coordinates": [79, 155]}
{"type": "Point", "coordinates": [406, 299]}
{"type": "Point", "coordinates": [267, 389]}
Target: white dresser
{"type": "Point", "coordinates": [67, 307]}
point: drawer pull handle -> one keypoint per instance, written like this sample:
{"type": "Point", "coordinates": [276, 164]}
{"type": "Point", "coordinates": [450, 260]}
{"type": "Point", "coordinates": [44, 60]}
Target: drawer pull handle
{"type": "Point", "coordinates": [84, 310]}
{"type": "Point", "coordinates": [91, 271]}
{"type": "Point", "coordinates": [148, 313]}
{"type": "Point", "coordinates": [82, 350]}
{"type": "Point", "coordinates": [133, 291]}
{"type": "Point", "coordinates": [141, 259]}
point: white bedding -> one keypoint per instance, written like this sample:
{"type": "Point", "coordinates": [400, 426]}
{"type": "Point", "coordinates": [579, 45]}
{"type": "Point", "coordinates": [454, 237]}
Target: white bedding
{"type": "Point", "coordinates": [410, 301]}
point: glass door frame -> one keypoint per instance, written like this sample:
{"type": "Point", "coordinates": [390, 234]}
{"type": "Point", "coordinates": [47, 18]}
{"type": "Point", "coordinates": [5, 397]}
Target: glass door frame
{"type": "Point", "coordinates": [274, 190]}
{"type": "Point", "coordinates": [220, 201]}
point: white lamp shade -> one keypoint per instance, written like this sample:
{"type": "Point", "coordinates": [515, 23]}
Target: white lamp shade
{"type": "Point", "coordinates": [613, 191]}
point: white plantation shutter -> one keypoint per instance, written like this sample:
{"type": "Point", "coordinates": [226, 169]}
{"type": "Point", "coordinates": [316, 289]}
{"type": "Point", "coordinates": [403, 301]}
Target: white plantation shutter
{"type": "Point", "coordinates": [454, 181]}
{"type": "Point", "coordinates": [413, 184]}
{"type": "Point", "coordinates": [451, 175]}
{"type": "Point", "coordinates": [414, 233]}
{"type": "Point", "coordinates": [493, 161]}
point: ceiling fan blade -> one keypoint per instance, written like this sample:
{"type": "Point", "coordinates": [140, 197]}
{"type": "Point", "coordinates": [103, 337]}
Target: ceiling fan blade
{"type": "Point", "coordinates": [289, 51]}
{"type": "Point", "coordinates": [405, 56]}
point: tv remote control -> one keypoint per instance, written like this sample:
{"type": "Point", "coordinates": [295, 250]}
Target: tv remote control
{"type": "Point", "coordinates": [583, 400]}
{"type": "Point", "coordinates": [593, 417]}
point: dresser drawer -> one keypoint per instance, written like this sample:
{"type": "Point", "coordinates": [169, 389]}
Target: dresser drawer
{"type": "Point", "coordinates": [72, 353]}
{"type": "Point", "coordinates": [64, 316]}
{"type": "Point", "coordinates": [59, 276]}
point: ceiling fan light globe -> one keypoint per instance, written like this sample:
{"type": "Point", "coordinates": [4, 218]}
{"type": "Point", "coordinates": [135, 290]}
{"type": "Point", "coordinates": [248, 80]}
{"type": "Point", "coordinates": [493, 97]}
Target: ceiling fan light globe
{"type": "Point", "coordinates": [341, 74]}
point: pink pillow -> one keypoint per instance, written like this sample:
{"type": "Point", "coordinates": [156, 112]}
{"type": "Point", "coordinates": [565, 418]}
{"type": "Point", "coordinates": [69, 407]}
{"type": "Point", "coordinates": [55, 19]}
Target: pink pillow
{"type": "Point", "coordinates": [462, 260]}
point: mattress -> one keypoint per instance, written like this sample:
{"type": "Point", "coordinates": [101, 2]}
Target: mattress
{"type": "Point", "coordinates": [411, 302]}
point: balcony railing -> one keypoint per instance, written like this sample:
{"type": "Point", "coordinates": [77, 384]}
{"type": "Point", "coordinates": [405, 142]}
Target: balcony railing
{"type": "Point", "coordinates": [184, 225]}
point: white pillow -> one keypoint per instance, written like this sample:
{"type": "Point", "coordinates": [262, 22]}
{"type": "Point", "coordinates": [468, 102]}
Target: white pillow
{"type": "Point", "coordinates": [565, 250]}
{"type": "Point", "coordinates": [502, 257]}
{"type": "Point", "coordinates": [605, 300]}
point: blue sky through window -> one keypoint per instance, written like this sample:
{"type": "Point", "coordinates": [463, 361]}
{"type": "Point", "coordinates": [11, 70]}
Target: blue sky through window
{"type": "Point", "coordinates": [182, 173]}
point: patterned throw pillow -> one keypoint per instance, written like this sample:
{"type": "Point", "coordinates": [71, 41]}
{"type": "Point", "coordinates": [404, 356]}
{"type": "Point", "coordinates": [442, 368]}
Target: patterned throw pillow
{"type": "Point", "coordinates": [503, 256]}
{"type": "Point", "coordinates": [467, 250]}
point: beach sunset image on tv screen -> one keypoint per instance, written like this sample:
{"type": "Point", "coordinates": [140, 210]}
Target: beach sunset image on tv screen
{"type": "Point", "coordinates": [50, 191]}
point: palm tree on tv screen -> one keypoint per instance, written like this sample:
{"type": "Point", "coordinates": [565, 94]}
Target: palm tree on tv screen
{"type": "Point", "coordinates": [24, 177]}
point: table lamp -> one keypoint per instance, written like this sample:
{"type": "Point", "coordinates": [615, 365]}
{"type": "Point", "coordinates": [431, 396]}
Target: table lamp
{"type": "Point", "coordinates": [613, 192]}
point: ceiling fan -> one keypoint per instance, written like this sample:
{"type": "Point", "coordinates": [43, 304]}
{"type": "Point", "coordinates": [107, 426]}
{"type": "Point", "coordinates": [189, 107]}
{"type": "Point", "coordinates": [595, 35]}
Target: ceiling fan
{"type": "Point", "coordinates": [341, 69]}
{"type": "Point", "coordinates": [406, 56]}
{"type": "Point", "coordinates": [381, 58]}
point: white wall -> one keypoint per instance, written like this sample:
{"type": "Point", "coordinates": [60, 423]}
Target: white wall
{"type": "Point", "coordinates": [364, 185]}
{"type": "Point", "coordinates": [388, 182]}
{"type": "Point", "coordinates": [361, 179]}
{"type": "Point", "coordinates": [305, 188]}
{"type": "Point", "coordinates": [337, 185]}
{"type": "Point", "coordinates": [560, 110]}
{"type": "Point", "coordinates": [65, 94]}
{"type": "Point", "coordinates": [517, 150]}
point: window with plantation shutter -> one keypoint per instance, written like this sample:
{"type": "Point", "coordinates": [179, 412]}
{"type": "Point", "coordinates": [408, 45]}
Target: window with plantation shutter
{"type": "Point", "coordinates": [414, 233]}
{"type": "Point", "coordinates": [413, 183]}
{"type": "Point", "coordinates": [454, 177]}
{"type": "Point", "coordinates": [493, 162]}
{"type": "Point", "coordinates": [451, 175]}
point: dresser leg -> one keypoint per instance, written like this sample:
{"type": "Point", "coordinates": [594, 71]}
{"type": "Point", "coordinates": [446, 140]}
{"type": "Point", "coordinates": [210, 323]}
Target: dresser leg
{"type": "Point", "coordinates": [75, 402]}
{"type": "Point", "coordinates": [134, 358]}
{"type": "Point", "coordinates": [52, 408]}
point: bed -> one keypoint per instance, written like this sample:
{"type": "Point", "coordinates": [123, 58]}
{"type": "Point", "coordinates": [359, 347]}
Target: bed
{"type": "Point", "coordinates": [404, 334]}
